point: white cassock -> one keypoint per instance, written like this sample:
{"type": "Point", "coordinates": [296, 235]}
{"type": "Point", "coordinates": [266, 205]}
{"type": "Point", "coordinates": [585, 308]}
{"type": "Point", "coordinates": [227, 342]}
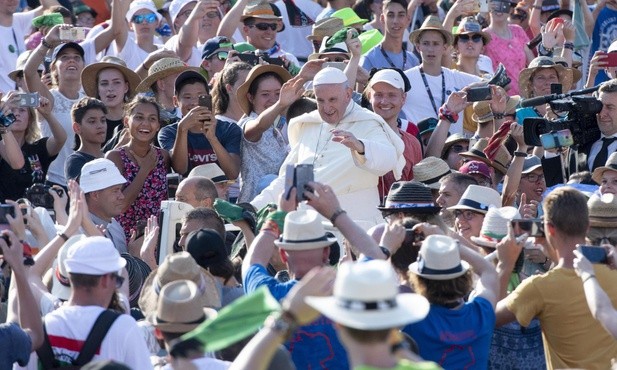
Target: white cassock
{"type": "Point", "coordinates": [353, 177]}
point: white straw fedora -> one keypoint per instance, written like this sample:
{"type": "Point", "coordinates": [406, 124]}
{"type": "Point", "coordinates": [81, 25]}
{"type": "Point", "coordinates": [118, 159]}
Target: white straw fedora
{"type": "Point", "coordinates": [366, 297]}
{"type": "Point", "coordinates": [478, 198]}
{"type": "Point", "coordinates": [495, 226]}
{"type": "Point", "coordinates": [302, 231]}
{"type": "Point", "coordinates": [439, 259]}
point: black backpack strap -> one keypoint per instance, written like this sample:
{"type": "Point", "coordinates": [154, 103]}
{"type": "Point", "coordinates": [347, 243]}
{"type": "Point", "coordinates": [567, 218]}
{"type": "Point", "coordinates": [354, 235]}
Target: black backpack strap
{"type": "Point", "coordinates": [45, 353]}
{"type": "Point", "coordinates": [95, 337]}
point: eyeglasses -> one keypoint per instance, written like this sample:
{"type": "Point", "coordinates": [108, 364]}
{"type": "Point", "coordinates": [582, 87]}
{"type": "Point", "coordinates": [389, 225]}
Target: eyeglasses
{"type": "Point", "coordinates": [532, 177]}
{"type": "Point", "coordinates": [144, 18]}
{"type": "Point", "coordinates": [466, 37]}
{"type": "Point", "coordinates": [119, 280]}
{"type": "Point", "coordinates": [467, 214]}
{"type": "Point", "coordinates": [265, 26]}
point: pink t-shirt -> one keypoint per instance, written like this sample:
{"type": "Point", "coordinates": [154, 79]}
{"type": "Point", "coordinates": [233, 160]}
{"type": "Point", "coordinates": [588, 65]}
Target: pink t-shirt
{"type": "Point", "coordinates": [511, 53]}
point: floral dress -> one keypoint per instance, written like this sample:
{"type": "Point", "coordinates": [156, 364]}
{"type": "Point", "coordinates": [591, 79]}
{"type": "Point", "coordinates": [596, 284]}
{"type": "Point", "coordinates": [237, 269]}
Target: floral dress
{"type": "Point", "coordinates": [153, 192]}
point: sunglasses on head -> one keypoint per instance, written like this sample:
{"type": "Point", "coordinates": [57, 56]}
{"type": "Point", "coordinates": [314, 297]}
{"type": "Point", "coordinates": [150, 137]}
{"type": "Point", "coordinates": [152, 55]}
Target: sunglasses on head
{"type": "Point", "coordinates": [466, 37]}
{"type": "Point", "coordinates": [265, 26]}
{"type": "Point", "coordinates": [144, 18]}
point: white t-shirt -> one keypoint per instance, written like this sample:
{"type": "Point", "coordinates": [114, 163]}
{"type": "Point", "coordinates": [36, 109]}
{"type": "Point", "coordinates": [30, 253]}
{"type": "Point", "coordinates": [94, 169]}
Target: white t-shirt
{"type": "Point", "coordinates": [195, 57]}
{"type": "Point", "coordinates": [9, 35]}
{"type": "Point", "coordinates": [89, 51]}
{"type": "Point", "coordinates": [418, 104]}
{"type": "Point", "coordinates": [293, 39]}
{"type": "Point", "coordinates": [132, 54]}
{"type": "Point", "coordinates": [62, 111]}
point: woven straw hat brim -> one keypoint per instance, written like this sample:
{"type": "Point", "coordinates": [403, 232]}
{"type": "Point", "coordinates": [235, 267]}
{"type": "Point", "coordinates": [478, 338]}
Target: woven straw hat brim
{"type": "Point", "coordinates": [89, 77]}
{"type": "Point", "coordinates": [146, 83]}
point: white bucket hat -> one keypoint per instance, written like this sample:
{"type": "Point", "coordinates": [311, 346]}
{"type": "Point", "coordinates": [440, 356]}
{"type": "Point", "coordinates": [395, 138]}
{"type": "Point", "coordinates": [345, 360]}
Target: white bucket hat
{"type": "Point", "coordinates": [366, 297]}
{"type": "Point", "coordinates": [495, 226]}
{"type": "Point", "coordinates": [303, 230]}
{"type": "Point", "coordinates": [478, 198]}
{"type": "Point", "coordinates": [99, 174]}
{"type": "Point", "coordinates": [439, 259]}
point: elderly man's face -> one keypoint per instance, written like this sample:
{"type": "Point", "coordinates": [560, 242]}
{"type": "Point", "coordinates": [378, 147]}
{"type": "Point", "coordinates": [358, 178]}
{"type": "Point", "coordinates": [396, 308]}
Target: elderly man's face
{"type": "Point", "coordinates": [332, 100]}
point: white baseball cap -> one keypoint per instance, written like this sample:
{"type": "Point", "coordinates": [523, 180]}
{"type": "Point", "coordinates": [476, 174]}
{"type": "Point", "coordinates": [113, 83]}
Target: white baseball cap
{"type": "Point", "coordinates": [94, 255]}
{"type": "Point", "coordinates": [142, 4]}
{"type": "Point", "coordinates": [176, 6]}
{"type": "Point", "coordinates": [99, 174]}
{"type": "Point", "coordinates": [389, 76]}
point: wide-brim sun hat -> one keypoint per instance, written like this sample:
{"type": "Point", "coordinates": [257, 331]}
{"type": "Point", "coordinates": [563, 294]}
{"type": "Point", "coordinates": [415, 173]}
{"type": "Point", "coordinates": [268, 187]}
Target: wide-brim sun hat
{"type": "Point", "coordinates": [602, 211]}
{"type": "Point", "coordinates": [610, 165]}
{"type": "Point", "coordinates": [478, 199]}
{"type": "Point", "coordinates": [366, 297]}
{"type": "Point", "coordinates": [470, 25]}
{"type": "Point", "coordinates": [439, 259]}
{"type": "Point", "coordinates": [348, 16]}
{"type": "Point", "coordinates": [524, 79]}
{"type": "Point", "coordinates": [337, 49]}
{"type": "Point", "coordinates": [325, 27]}
{"type": "Point", "coordinates": [410, 197]}
{"type": "Point", "coordinates": [495, 226]}
{"type": "Point", "coordinates": [431, 23]}
{"type": "Point", "coordinates": [255, 72]}
{"type": "Point", "coordinates": [303, 231]}
{"type": "Point", "coordinates": [429, 170]}
{"type": "Point", "coordinates": [370, 39]}
{"type": "Point", "coordinates": [261, 10]}
{"type": "Point", "coordinates": [163, 68]}
{"type": "Point", "coordinates": [89, 75]}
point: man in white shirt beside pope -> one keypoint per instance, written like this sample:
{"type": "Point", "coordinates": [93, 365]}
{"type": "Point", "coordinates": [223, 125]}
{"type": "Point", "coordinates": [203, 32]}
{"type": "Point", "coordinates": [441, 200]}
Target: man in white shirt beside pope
{"type": "Point", "coordinates": [349, 146]}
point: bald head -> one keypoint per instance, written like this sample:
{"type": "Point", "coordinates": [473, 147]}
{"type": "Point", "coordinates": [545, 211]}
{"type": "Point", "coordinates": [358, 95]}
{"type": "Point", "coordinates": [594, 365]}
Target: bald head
{"type": "Point", "coordinates": [197, 191]}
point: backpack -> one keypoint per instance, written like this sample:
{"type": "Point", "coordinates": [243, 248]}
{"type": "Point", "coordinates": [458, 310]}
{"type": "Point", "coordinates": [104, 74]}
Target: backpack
{"type": "Point", "coordinates": [93, 342]}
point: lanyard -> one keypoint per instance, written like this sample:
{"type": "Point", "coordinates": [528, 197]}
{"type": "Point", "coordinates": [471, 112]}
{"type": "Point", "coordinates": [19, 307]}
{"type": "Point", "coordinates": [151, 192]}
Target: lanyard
{"type": "Point", "coordinates": [430, 94]}
{"type": "Point", "coordinates": [383, 52]}
{"type": "Point", "coordinates": [16, 44]}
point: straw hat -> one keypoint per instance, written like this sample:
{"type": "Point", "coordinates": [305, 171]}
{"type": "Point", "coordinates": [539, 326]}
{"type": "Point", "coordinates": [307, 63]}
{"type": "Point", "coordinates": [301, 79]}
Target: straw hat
{"type": "Point", "coordinates": [410, 197]}
{"type": "Point", "coordinates": [178, 266]}
{"type": "Point", "coordinates": [138, 271]}
{"type": "Point", "coordinates": [502, 158]}
{"type": "Point", "coordinates": [439, 259]}
{"type": "Point", "coordinates": [348, 16]}
{"type": "Point", "coordinates": [478, 198]}
{"type": "Point", "coordinates": [524, 78]}
{"type": "Point", "coordinates": [482, 112]}
{"type": "Point", "coordinates": [339, 48]}
{"type": "Point", "coordinates": [303, 231]}
{"type": "Point", "coordinates": [160, 69]}
{"type": "Point", "coordinates": [370, 39]}
{"type": "Point", "coordinates": [325, 27]}
{"type": "Point", "coordinates": [576, 73]}
{"type": "Point", "coordinates": [366, 297]}
{"type": "Point", "coordinates": [611, 165]}
{"type": "Point", "coordinates": [470, 25]}
{"type": "Point", "coordinates": [90, 74]}
{"type": "Point", "coordinates": [451, 140]}
{"type": "Point", "coordinates": [431, 23]}
{"type": "Point", "coordinates": [180, 308]}
{"type": "Point", "coordinates": [495, 226]}
{"type": "Point", "coordinates": [429, 170]}
{"type": "Point", "coordinates": [259, 9]}
{"type": "Point", "coordinates": [257, 71]}
{"type": "Point", "coordinates": [603, 211]}
{"type": "Point", "coordinates": [21, 63]}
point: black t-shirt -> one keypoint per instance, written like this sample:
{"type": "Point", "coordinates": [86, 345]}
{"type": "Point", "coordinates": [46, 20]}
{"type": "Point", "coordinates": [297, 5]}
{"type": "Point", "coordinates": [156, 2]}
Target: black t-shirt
{"type": "Point", "coordinates": [74, 163]}
{"type": "Point", "coordinates": [15, 182]}
{"type": "Point", "coordinates": [112, 127]}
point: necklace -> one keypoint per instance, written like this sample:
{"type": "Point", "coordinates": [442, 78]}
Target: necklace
{"type": "Point", "coordinates": [139, 158]}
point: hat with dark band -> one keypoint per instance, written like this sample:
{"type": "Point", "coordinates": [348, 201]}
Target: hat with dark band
{"type": "Point", "coordinates": [410, 197]}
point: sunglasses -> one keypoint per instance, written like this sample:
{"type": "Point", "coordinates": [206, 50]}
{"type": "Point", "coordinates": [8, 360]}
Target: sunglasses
{"type": "Point", "coordinates": [144, 18]}
{"type": "Point", "coordinates": [265, 26]}
{"type": "Point", "coordinates": [475, 38]}
{"type": "Point", "coordinates": [221, 55]}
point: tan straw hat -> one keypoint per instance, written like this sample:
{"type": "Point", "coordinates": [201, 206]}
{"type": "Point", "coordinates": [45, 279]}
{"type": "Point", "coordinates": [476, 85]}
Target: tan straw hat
{"type": "Point", "coordinates": [325, 27]}
{"type": "Point", "coordinates": [259, 9]}
{"type": "Point", "coordinates": [611, 165]}
{"type": "Point", "coordinates": [470, 25]}
{"type": "Point", "coordinates": [603, 211]}
{"type": "Point", "coordinates": [90, 75]}
{"type": "Point", "coordinates": [160, 69]}
{"type": "Point", "coordinates": [178, 266]}
{"type": "Point", "coordinates": [431, 23]}
{"type": "Point", "coordinates": [181, 308]}
{"type": "Point", "coordinates": [257, 71]}
{"type": "Point", "coordinates": [429, 170]}
{"type": "Point", "coordinates": [524, 78]}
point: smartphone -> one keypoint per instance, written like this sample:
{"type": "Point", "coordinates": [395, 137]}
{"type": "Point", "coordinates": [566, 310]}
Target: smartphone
{"type": "Point", "coordinates": [534, 227]}
{"type": "Point", "coordinates": [479, 94]}
{"type": "Point", "coordinates": [557, 139]}
{"type": "Point", "coordinates": [6, 120]}
{"type": "Point", "coordinates": [73, 34]}
{"type": "Point", "coordinates": [205, 101]}
{"type": "Point", "coordinates": [251, 59]}
{"type": "Point", "coordinates": [611, 59]}
{"type": "Point", "coordinates": [594, 254]}
{"type": "Point", "coordinates": [6, 209]}
{"type": "Point", "coordinates": [173, 180]}
{"type": "Point", "coordinates": [303, 174]}
{"type": "Point", "coordinates": [289, 179]}
{"type": "Point", "coordinates": [29, 100]}
{"type": "Point", "coordinates": [276, 61]}
{"type": "Point", "coordinates": [337, 65]}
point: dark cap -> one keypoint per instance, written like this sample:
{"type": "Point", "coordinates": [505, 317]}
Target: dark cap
{"type": "Point", "coordinates": [214, 44]}
{"type": "Point", "coordinates": [207, 247]}
{"type": "Point", "coordinates": [68, 45]}
{"type": "Point", "coordinates": [427, 125]}
{"type": "Point", "coordinates": [188, 75]}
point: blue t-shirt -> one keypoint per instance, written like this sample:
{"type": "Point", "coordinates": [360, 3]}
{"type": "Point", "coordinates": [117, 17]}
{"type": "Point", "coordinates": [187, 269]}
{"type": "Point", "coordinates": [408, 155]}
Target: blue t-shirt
{"type": "Point", "coordinates": [312, 346]}
{"type": "Point", "coordinates": [374, 59]}
{"type": "Point", "coordinates": [16, 346]}
{"type": "Point", "coordinates": [604, 33]}
{"type": "Point", "coordinates": [456, 339]}
{"type": "Point", "coordinates": [199, 148]}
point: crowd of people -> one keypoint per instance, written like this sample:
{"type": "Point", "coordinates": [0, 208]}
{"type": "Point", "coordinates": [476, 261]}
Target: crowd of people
{"type": "Point", "coordinates": [360, 185]}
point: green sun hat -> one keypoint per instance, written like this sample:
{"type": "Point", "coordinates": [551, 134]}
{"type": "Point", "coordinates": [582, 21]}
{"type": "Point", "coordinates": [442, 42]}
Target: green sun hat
{"type": "Point", "coordinates": [47, 20]}
{"type": "Point", "coordinates": [348, 16]}
{"type": "Point", "coordinates": [243, 47]}
{"type": "Point", "coordinates": [370, 39]}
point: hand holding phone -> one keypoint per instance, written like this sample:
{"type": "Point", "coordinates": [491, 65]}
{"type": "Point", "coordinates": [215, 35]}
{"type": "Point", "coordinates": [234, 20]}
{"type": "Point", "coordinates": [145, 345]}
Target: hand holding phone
{"type": "Point", "coordinates": [595, 254]}
{"type": "Point", "coordinates": [72, 34]}
{"type": "Point", "coordinates": [479, 94]}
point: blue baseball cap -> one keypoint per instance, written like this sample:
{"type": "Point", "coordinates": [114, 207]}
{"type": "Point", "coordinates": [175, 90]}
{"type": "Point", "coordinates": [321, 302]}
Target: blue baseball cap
{"type": "Point", "coordinates": [213, 45]}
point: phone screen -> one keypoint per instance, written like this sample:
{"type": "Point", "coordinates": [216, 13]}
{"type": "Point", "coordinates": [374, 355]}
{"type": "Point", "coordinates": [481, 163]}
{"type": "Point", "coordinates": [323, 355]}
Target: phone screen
{"type": "Point", "coordinates": [593, 253]}
{"type": "Point", "coordinates": [479, 94]}
{"type": "Point", "coordinates": [611, 59]}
